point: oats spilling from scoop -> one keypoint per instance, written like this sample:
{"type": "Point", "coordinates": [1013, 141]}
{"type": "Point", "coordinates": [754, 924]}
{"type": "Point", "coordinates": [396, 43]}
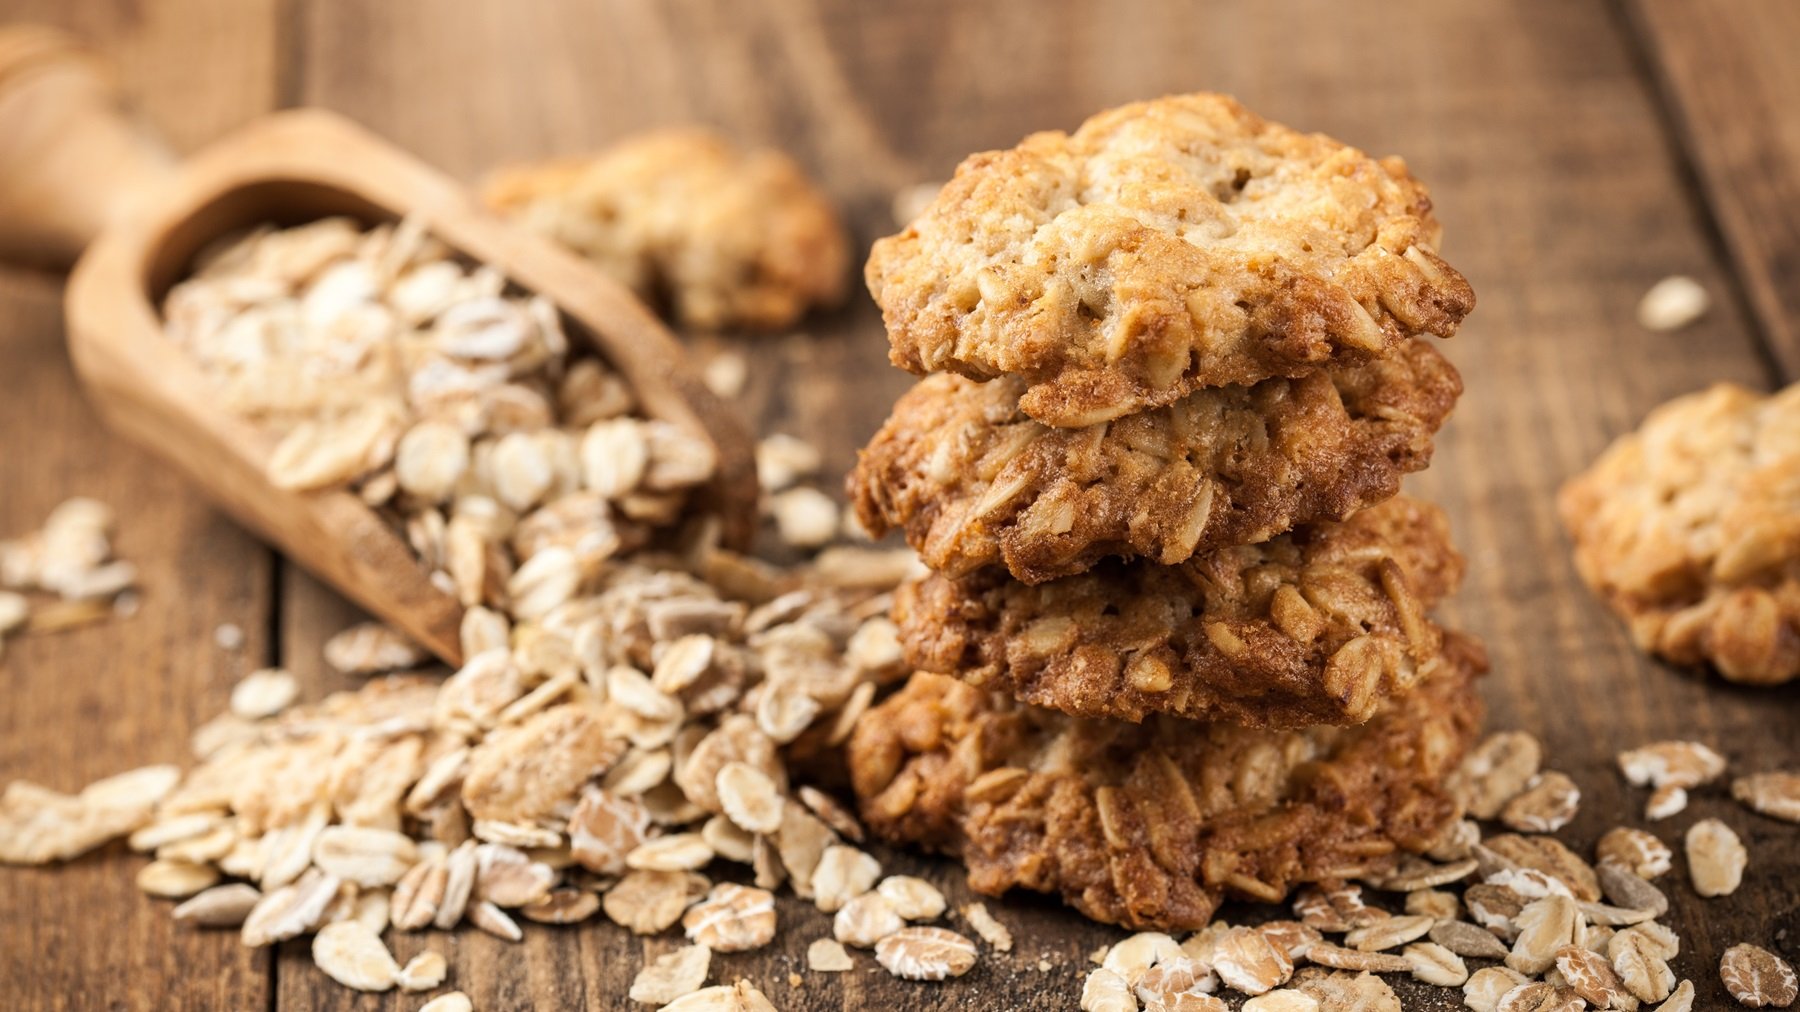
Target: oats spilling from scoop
{"type": "Point", "coordinates": [602, 756]}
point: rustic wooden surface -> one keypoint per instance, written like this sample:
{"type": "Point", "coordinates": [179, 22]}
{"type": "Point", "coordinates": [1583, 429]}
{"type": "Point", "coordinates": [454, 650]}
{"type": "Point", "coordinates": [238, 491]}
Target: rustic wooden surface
{"type": "Point", "coordinates": [1577, 153]}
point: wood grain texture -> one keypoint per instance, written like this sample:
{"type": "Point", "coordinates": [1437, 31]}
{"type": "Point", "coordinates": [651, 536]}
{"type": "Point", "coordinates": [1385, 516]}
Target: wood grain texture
{"type": "Point", "coordinates": [100, 700]}
{"type": "Point", "coordinates": [109, 697]}
{"type": "Point", "coordinates": [1727, 70]}
{"type": "Point", "coordinates": [1562, 192]}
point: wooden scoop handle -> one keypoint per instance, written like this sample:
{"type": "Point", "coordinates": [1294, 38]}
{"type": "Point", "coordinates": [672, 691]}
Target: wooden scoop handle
{"type": "Point", "coordinates": [71, 156]}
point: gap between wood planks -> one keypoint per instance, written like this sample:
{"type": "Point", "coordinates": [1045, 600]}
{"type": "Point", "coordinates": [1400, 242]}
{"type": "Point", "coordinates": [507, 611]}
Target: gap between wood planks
{"type": "Point", "coordinates": [1682, 142]}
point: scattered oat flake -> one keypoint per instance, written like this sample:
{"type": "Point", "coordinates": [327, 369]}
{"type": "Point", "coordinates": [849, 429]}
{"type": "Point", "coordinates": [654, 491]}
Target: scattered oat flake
{"type": "Point", "coordinates": [1466, 939]}
{"type": "Point", "coordinates": [831, 812]}
{"type": "Point", "coordinates": [912, 898]}
{"type": "Point", "coordinates": [1433, 903]}
{"type": "Point", "coordinates": [1673, 303]}
{"type": "Point", "coordinates": [1540, 996]}
{"type": "Point", "coordinates": [1388, 933]}
{"type": "Point", "coordinates": [1414, 873]}
{"type": "Point", "coordinates": [370, 648]}
{"type": "Point", "coordinates": [1547, 805]}
{"type": "Point", "coordinates": [1665, 801]}
{"type": "Point", "coordinates": [562, 906]}
{"type": "Point", "coordinates": [1131, 957]}
{"type": "Point", "coordinates": [676, 852]}
{"type": "Point", "coordinates": [1758, 978]}
{"type": "Point", "coordinates": [1106, 991]}
{"type": "Point", "coordinates": [1342, 958]}
{"type": "Point", "coordinates": [739, 997]}
{"type": "Point", "coordinates": [991, 930]}
{"type": "Point", "coordinates": [828, 955]}
{"type": "Point", "coordinates": [1629, 891]}
{"type": "Point", "coordinates": [263, 693]}
{"type": "Point", "coordinates": [672, 975]}
{"type": "Point", "coordinates": [865, 920]}
{"type": "Point", "coordinates": [455, 1001]}
{"type": "Point", "coordinates": [805, 517]}
{"type": "Point", "coordinates": [750, 799]}
{"type": "Point", "coordinates": [921, 953]}
{"type": "Point", "coordinates": [843, 873]}
{"type": "Point", "coordinates": [1486, 986]}
{"type": "Point", "coordinates": [1591, 976]}
{"type": "Point", "coordinates": [1291, 937]}
{"type": "Point", "coordinates": [1545, 926]}
{"type": "Point", "coordinates": [732, 918]}
{"type": "Point", "coordinates": [1345, 992]}
{"type": "Point", "coordinates": [1284, 1000]}
{"type": "Point", "coordinates": [223, 906]}
{"type": "Point", "coordinates": [1246, 960]}
{"type": "Point", "coordinates": [1334, 907]}
{"type": "Point", "coordinates": [1773, 794]}
{"type": "Point", "coordinates": [424, 972]}
{"type": "Point", "coordinates": [782, 459]}
{"type": "Point", "coordinates": [228, 636]}
{"type": "Point", "coordinates": [1671, 764]}
{"type": "Point", "coordinates": [725, 374]}
{"type": "Point", "coordinates": [352, 955]}
{"type": "Point", "coordinates": [1716, 858]}
{"type": "Point", "coordinates": [1635, 850]}
{"type": "Point", "coordinates": [1642, 965]}
{"type": "Point", "coordinates": [1178, 984]}
{"type": "Point", "coordinates": [176, 879]}
{"type": "Point", "coordinates": [1496, 770]}
{"type": "Point", "coordinates": [1434, 964]}
{"type": "Point", "coordinates": [1680, 1000]}
{"type": "Point", "coordinates": [647, 902]}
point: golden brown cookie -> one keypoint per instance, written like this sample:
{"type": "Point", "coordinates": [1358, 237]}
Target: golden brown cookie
{"type": "Point", "coordinates": [1152, 825]}
{"type": "Point", "coordinates": [1162, 247]}
{"type": "Point", "coordinates": [723, 236]}
{"type": "Point", "coordinates": [1690, 529]}
{"type": "Point", "coordinates": [975, 482]}
{"type": "Point", "coordinates": [1317, 626]}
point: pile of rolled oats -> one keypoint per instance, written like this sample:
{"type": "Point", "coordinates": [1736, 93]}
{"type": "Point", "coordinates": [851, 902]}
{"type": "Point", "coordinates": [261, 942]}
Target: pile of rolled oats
{"type": "Point", "coordinates": [516, 462]}
{"type": "Point", "coordinates": [70, 557]}
{"type": "Point", "coordinates": [1517, 921]}
{"type": "Point", "coordinates": [626, 717]}
{"type": "Point", "coordinates": [599, 758]}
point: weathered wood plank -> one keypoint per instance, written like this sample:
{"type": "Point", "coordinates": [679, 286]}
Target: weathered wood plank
{"type": "Point", "coordinates": [109, 697]}
{"type": "Point", "coordinates": [1728, 72]}
{"type": "Point", "coordinates": [96, 701]}
{"type": "Point", "coordinates": [1561, 212]}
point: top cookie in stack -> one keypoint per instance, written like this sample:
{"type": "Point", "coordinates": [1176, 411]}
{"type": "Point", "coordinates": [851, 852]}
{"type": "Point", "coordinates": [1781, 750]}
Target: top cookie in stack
{"type": "Point", "coordinates": [1180, 346]}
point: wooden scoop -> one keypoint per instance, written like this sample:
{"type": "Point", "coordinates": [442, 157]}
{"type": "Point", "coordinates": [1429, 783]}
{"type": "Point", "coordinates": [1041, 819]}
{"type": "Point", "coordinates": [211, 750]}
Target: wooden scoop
{"type": "Point", "coordinates": [77, 171]}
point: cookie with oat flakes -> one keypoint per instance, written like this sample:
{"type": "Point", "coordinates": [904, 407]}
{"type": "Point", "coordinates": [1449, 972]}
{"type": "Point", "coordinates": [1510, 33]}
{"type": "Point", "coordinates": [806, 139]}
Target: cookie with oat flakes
{"type": "Point", "coordinates": [726, 236]}
{"type": "Point", "coordinates": [1152, 825]}
{"type": "Point", "coordinates": [1162, 247]}
{"type": "Point", "coordinates": [974, 481]}
{"type": "Point", "coordinates": [1317, 626]}
{"type": "Point", "coordinates": [1689, 529]}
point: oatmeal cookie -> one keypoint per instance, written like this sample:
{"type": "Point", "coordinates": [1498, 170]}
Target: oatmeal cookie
{"type": "Point", "coordinates": [1162, 247]}
{"type": "Point", "coordinates": [1152, 825]}
{"type": "Point", "coordinates": [1689, 528]}
{"type": "Point", "coordinates": [722, 236]}
{"type": "Point", "coordinates": [1317, 626]}
{"type": "Point", "coordinates": [975, 482]}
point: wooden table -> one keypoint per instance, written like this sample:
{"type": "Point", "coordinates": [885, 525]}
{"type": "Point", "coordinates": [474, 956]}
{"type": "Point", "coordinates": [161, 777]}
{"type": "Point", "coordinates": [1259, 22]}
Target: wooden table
{"type": "Point", "coordinates": [1578, 152]}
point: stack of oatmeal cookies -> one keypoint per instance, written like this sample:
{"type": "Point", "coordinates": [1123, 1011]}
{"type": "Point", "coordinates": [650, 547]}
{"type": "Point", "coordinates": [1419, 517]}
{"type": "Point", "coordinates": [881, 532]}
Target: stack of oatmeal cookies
{"type": "Point", "coordinates": [1179, 362]}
